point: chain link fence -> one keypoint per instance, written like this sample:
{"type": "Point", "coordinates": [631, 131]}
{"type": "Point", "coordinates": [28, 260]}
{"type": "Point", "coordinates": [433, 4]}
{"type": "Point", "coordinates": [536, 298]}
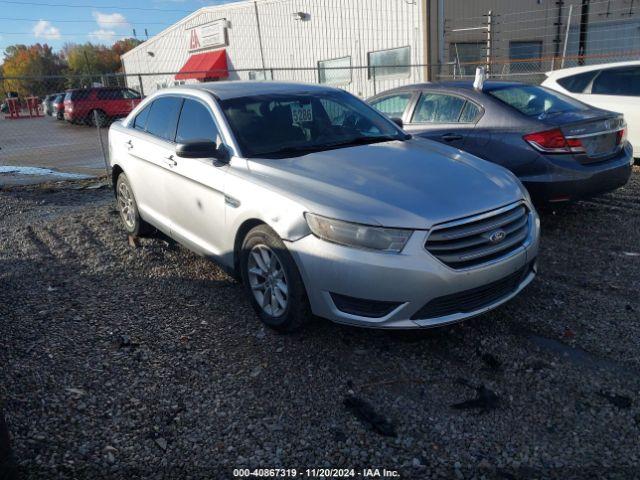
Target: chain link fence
{"type": "Point", "coordinates": [56, 127]}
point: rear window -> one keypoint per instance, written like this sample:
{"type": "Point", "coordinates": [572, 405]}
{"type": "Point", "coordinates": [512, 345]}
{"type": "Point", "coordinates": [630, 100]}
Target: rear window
{"type": "Point", "coordinates": [535, 101]}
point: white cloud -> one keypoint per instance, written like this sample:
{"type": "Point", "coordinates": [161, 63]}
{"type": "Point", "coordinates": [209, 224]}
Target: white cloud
{"type": "Point", "coordinates": [110, 20]}
{"type": "Point", "coordinates": [44, 29]}
{"type": "Point", "coordinates": [103, 35]}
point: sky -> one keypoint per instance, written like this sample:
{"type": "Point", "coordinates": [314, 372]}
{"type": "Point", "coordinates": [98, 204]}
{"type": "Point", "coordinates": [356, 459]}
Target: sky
{"type": "Point", "coordinates": [57, 22]}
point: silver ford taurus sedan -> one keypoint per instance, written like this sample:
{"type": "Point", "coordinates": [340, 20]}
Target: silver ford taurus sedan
{"type": "Point", "coordinates": [320, 204]}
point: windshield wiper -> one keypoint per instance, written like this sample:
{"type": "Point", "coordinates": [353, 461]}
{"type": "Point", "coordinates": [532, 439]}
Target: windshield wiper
{"type": "Point", "coordinates": [306, 149]}
{"type": "Point", "coordinates": [291, 151]}
{"type": "Point", "coordinates": [367, 140]}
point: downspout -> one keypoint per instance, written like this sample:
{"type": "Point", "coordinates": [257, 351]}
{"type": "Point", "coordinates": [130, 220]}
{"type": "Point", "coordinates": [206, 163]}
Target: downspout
{"type": "Point", "coordinates": [426, 44]}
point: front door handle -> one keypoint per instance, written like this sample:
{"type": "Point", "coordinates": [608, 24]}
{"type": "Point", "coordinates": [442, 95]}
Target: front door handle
{"type": "Point", "coordinates": [451, 137]}
{"type": "Point", "coordinates": [129, 144]}
{"type": "Point", "coordinates": [170, 161]}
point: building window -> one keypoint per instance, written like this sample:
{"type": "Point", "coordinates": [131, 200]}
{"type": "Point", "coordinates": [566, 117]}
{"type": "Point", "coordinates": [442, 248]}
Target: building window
{"type": "Point", "coordinates": [260, 75]}
{"type": "Point", "coordinates": [467, 56]}
{"type": "Point", "coordinates": [335, 72]}
{"type": "Point", "coordinates": [390, 63]}
{"type": "Point", "coordinates": [527, 56]}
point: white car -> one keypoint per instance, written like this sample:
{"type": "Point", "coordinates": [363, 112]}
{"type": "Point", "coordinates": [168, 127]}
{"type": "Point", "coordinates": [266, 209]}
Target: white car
{"type": "Point", "coordinates": [611, 86]}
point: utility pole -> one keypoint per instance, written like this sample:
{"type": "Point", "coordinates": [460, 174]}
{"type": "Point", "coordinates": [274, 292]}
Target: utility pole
{"type": "Point", "coordinates": [584, 27]}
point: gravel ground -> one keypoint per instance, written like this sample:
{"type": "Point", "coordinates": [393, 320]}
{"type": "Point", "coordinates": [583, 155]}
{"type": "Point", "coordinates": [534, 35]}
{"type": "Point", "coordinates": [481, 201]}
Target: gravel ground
{"type": "Point", "coordinates": [147, 362]}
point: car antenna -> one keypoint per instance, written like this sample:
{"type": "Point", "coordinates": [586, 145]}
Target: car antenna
{"type": "Point", "coordinates": [478, 83]}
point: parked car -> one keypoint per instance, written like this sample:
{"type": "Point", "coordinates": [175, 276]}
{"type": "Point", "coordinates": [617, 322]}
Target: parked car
{"type": "Point", "coordinates": [99, 105]}
{"type": "Point", "coordinates": [57, 107]}
{"type": "Point", "coordinates": [613, 86]}
{"type": "Point", "coordinates": [47, 103]}
{"type": "Point", "coordinates": [315, 200]}
{"type": "Point", "coordinates": [560, 148]}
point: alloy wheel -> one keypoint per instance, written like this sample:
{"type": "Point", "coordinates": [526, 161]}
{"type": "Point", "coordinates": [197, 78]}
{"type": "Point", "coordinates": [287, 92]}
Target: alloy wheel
{"type": "Point", "coordinates": [268, 280]}
{"type": "Point", "coordinates": [126, 206]}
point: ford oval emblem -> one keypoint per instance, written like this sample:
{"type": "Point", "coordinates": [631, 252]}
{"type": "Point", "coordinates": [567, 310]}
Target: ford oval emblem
{"type": "Point", "coordinates": [497, 236]}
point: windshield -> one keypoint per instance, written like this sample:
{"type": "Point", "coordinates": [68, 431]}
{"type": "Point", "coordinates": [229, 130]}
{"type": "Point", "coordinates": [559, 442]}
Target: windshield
{"type": "Point", "coordinates": [536, 101]}
{"type": "Point", "coordinates": [281, 125]}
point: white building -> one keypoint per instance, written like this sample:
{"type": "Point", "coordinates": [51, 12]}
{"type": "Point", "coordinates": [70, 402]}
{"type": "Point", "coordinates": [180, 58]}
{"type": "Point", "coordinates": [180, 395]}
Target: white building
{"type": "Point", "coordinates": [338, 41]}
{"type": "Point", "coordinates": [326, 41]}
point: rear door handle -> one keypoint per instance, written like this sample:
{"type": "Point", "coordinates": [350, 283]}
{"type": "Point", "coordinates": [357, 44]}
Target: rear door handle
{"type": "Point", "coordinates": [451, 137]}
{"type": "Point", "coordinates": [170, 161]}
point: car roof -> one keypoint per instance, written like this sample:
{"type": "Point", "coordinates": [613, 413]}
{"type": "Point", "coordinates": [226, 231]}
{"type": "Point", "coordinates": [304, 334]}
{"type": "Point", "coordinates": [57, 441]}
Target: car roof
{"type": "Point", "coordinates": [588, 68]}
{"type": "Point", "coordinates": [236, 89]}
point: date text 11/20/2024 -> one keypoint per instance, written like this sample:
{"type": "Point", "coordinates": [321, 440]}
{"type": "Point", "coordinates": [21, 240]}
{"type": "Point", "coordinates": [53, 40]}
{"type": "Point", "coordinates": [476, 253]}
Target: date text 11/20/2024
{"type": "Point", "coordinates": [315, 473]}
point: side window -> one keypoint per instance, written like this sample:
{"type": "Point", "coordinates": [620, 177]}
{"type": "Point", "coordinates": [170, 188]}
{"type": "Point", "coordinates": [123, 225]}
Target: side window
{"type": "Point", "coordinates": [438, 108]}
{"type": "Point", "coordinates": [577, 83]}
{"type": "Point", "coordinates": [470, 113]}
{"type": "Point", "coordinates": [109, 94]}
{"type": "Point", "coordinates": [393, 105]}
{"type": "Point", "coordinates": [196, 123]}
{"type": "Point", "coordinates": [140, 121]}
{"type": "Point", "coordinates": [163, 117]}
{"type": "Point", "coordinates": [618, 81]}
{"type": "Point", "coordinates": [130, 94]}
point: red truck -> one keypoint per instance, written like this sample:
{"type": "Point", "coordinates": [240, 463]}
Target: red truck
{"type": "Point", "coordinates": [99, 105]}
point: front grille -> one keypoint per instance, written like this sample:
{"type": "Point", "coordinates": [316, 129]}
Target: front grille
{"type": "Point", "coordinates": [480, 239]}
{"type": "Point", "coordinates": [474, 299]}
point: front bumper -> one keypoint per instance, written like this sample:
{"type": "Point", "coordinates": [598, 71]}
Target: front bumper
{"type": "Point", "coordinates": [565, 179]}
{"type": "Point", "coordinates": [411, 279]}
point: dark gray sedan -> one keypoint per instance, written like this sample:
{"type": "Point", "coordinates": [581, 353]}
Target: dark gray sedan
{"type": "Point", "coordinates": [560, 148]}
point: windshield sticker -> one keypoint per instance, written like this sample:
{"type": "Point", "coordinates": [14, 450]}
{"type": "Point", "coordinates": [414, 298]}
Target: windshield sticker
{"type": "Point", "coordinates": [301, 113]}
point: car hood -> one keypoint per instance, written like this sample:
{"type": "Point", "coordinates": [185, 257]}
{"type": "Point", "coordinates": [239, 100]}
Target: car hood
{"type": "Point", "coordinates": [412, 184]}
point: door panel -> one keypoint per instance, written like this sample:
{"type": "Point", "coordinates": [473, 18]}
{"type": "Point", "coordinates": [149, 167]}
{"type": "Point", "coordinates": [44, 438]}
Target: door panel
{"type": "Point", "coordinates": [196, 203]}
{"type": "Point", "coordinates": [150, 146]}
{"type": "Point", "coordinates": [148, 174]}
{"type": "Point", "coordinates": [195, 190]}
{"type": "Point", "coordinates": [437, 116]}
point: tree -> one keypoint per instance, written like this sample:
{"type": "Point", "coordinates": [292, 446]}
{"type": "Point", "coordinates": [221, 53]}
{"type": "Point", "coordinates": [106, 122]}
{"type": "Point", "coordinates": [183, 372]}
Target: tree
{"type": "Point", "coordinates": [27, 69]}
{"type": "Point", "coordinates": [123, 46]}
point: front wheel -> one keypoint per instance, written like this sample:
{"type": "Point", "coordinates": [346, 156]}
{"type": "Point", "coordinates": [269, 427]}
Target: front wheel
{"type": "Point", "coordinates": [272, 281]}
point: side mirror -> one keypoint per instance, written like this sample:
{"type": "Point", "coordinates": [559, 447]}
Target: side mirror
{"type": "Point", "coordinates": [200, 149]}
{"type": "Point", "coordinates": [398, 121]}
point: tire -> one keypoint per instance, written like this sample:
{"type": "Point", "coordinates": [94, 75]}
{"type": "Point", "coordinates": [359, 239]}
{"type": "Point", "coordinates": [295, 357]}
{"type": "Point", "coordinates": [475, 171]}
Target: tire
{"type": "Point", "coordinates": [282, 309]}
{"type": "Point", "coordinates": [98, 118]}
{"type": "Point", "coordinates": [128, 209]}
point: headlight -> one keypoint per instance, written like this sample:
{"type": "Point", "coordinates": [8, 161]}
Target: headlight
{"type": "Point", "coordinates": [358, 235]}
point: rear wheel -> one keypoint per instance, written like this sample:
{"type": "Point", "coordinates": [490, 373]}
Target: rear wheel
{"type": "Point", "coordinates": [128, 208]}
{"type": "Point", "coordinates": [272, 281]}
{"type": "Point", "coordinates": [98, 118]}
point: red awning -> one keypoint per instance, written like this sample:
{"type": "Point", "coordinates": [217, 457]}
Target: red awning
{"type": "Point", "coordinates": [205, 65]}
